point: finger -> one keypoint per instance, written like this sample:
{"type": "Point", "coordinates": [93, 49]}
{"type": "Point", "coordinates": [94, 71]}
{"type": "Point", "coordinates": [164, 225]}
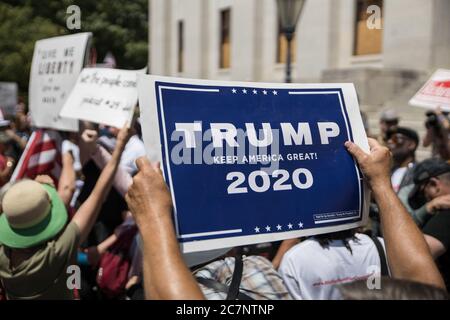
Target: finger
{"type": "Point", "coordinates": [143, 164]}
{"type": "Point", "coordinates": [124, 130]}
{"type": "Point", "coordinates": [156, 165]}
{"type": "Point", "coordinates": [355, 151]}
{"type": "Point", "coordinates": [373, 144]}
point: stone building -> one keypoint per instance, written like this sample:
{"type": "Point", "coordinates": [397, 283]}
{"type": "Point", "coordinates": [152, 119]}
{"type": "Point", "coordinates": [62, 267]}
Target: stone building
{"type": "Point", "coordinates": [387, 54]}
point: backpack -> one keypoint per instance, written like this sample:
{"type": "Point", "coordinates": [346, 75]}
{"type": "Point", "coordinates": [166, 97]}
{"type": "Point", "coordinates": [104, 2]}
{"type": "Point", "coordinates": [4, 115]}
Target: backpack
{"type": "Point", "coordinates": [112, 275]}
{"type": "Point", "coordinates": [233, 292]}
{"type": "Point", "coordinates": [383, 260]}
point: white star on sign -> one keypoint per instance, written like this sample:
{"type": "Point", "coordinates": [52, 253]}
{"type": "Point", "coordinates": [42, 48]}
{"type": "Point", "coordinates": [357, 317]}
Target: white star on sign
{"type": "Point", "coordinates": [256, 229]}
{"type": "Point", "coordinates": [254, 91]}
{"type": "Point", "coordinates": [274, 92]}
{"type": "Point", "coordinates": [278, 227]}
{"type": "Point", "coordinates": [244, 91]}
{"type": "Point", "coordinates": [300, 225]}
{"type": "Point", "coordinates": [264, 92]}
{"type": "Point", "coordinates": [267, 228]}
{"type": "Point", "coordinates": [290, 225]}
{"type": "Point", "coordinates": [234, 90]}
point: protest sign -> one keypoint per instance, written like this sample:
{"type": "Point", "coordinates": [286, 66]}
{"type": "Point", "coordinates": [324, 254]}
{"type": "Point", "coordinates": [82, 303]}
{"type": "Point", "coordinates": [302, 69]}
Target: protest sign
{"type": "Point", "coordinates": [435, 93]}
{"type": "Point", "coordinates": [254, 162]}
{"type": "Point", "coordinates": [54, 71]}
{"type": "Point", "coordinates": [106, 96]}
{"type": "Point", "coordinates": [8, 97]}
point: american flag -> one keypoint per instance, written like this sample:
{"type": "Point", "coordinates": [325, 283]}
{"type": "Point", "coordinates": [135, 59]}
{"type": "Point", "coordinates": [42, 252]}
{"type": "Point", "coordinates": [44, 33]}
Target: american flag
{"type": "Point", "coordinates": [42, 155]}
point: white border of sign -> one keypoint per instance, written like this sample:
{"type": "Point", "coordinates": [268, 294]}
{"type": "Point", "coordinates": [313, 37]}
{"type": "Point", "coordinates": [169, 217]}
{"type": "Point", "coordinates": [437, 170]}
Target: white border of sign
{"type": "Point", "coordinates": [151, 134]}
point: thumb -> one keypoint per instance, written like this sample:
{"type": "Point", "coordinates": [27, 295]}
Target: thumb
{"type": "Point", "coordinates": [143, 164]}
{"type": "Point", "coordinates": [355, 151]}
{"type": "Point", "coordinates": [157, 167]}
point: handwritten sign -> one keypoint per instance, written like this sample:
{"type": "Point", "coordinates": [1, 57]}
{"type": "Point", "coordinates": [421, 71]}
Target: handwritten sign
{"type": "Point", "coordinates": [8, 97]}
{"type": "Point", "coordinates": [435, 93]}
{"type": "Point", "coordinates": [107, 96]}
{"type": "Point", "coordinates": [254, 162]}
{"type": "Point", "coordinates": [54, 71]}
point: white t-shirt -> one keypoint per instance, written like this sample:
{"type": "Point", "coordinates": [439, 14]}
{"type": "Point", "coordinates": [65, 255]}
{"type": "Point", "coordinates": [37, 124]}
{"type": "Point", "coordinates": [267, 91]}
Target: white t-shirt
{"type": "Point", "coordinates": [311, 272]}
{"type": "Point", "coordinates": [69, 146]}
{"type": "Point", "coordinates": [133, 150]}
{"type": "Point", "coordinates": [397, 177]}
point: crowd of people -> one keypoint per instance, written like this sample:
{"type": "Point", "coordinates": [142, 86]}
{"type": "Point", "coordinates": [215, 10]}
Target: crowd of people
{"type": "Point", "coordinates": [109, 216]}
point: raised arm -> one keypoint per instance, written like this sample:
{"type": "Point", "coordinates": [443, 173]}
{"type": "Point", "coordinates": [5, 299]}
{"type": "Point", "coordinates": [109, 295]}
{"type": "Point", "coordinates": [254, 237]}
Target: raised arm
{"type": "Point", "coordinates": [66, 184]}
{"type": "Point", "coordinates": [22, 143]}
{"type": "Point", "coordinates": [166, 276]}
{"type": "Point", "coordinates": [87, 213]}
{"type": "Point", "coordinates": [407, 252]}
{"type": "Point", "coordinates": [122, 179]}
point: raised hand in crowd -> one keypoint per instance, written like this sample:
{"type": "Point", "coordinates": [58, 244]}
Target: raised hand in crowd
{"type": "Point", "coordinates": [87, 144]}
{"type": "Point", "coordinates": [166, 275]}
{"type": "Point", "coordinates": [407, 252]}
{"type": "Point", "coordinates": [87, 213]}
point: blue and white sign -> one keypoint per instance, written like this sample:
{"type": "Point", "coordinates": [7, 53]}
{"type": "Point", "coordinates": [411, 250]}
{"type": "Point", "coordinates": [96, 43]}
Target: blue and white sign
{"type": "Point", "coordinates": [254, 162]}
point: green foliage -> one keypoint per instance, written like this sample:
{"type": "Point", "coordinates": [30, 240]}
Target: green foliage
{"type": "Point", "coordinates": [19, 29]}
{"type": "Point", "coordinates": [119, 27]}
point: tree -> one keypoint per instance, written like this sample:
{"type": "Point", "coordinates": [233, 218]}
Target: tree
{"type": "Point", "coordinates": [119, 27]}
{"type": "Point", "coordinates": [19, 31]}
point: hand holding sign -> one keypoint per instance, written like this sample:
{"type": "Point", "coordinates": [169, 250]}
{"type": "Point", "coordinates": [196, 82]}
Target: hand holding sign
{"type": "Point", "coordinates": [376, 165]}
{"type": "Point", "coordinates": [148, 196]}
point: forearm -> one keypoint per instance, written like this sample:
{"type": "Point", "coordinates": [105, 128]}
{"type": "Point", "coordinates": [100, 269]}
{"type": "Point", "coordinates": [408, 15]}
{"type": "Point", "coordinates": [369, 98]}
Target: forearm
{"type": "Point", "coordinates": [106, 244]}
{"type": "Point", "coordinates": [420, 216]}
{"type": "Point", "coordinates": [285, 246]}
{"type": "Point", "coordinates": [407, 252]}
{"type": "Point", "coordinates": [105, 179]}
{"type": "Point", "coordinates": [89, 210]}
{"type": "Point", "coordinates": [66, 185]}
{"type": "Point", "coordinates": [428, 138]}
{"type": "Point", "coordinates": [163, 261]}
{"type": "Point", "coordinates": [22, 143]}
{"type": "Point", "coordinates": [122, 179]}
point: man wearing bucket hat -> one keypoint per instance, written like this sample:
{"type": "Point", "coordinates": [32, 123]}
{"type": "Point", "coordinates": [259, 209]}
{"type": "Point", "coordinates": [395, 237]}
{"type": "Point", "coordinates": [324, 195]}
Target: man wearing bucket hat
{"type": "Point", "coordinates": [432, 189]}
{"type": "Point", "coordinates": [36, 246]}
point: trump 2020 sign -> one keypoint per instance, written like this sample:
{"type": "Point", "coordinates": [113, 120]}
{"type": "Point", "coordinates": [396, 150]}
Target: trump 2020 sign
{"type": "Point", "coordinates": [254, 162]}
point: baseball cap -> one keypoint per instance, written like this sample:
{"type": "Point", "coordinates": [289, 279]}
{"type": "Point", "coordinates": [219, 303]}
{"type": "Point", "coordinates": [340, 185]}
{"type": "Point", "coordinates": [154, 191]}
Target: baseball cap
{"type": "Point", "coordinates": [407, 132]}
{"type": "Point", "coordinates": [422, 173]}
